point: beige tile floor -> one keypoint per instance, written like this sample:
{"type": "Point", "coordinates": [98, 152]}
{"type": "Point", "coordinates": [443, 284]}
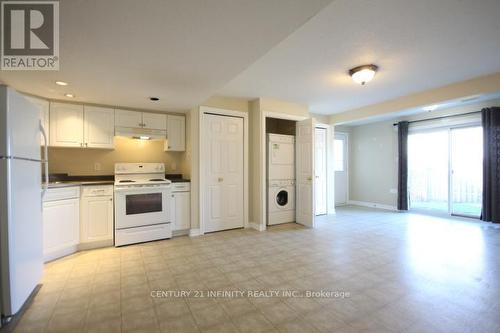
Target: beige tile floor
{"type": "Point", "coordinates": [404, 273]}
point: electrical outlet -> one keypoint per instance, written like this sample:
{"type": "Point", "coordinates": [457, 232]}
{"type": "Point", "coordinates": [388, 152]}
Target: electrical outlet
{"type": "Point", "coordinates": [97, 166]}
{"type": "Point", "coordinates": [393, 191]}
{"type": "Point", "coordinates": [173, 166]}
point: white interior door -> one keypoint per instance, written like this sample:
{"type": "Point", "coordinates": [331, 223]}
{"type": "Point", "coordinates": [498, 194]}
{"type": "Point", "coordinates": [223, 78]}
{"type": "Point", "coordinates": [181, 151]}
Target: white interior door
{"type": "Point", "coordinates": [340, 166]}
{"type": "Point", "coordinates": [320, 171]}
{"type": "Point", "coordinates": [304, 209]}
{"type": "Point", "coordinates": [224, 191]}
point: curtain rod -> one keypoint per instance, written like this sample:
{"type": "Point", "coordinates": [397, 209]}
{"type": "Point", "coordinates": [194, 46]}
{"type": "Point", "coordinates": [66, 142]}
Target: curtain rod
{"type": "Point", "coordinates": [442, 117]}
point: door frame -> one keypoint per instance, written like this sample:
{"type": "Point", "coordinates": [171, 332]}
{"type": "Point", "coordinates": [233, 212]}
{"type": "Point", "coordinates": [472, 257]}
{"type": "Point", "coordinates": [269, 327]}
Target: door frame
{"type": "Point", "coordinates": [203, 155]}
{"type": "Point", "coordinates": [346, 160]}
{"type": "Point", "coordinates": [263, 158]}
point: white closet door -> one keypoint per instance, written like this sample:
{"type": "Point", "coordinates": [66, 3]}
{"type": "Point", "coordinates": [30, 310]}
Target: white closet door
{"type": "Point", "coordinates": [304, 208]}
{"type": "Point", "coordinates": [223, 208]}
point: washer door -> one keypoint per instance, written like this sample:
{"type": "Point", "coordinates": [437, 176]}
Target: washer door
{"type": "Point", "coordinates": [282, 198]}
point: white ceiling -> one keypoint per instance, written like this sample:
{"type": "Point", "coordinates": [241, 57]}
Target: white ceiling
{"type": "Point", "coordinates": [419, 45]}
{"type": "Point", "coordinates": [120, 52]}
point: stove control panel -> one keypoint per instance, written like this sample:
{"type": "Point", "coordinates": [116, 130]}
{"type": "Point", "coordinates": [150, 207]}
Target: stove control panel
{"type": "Point", "coordinates": [138, 168]}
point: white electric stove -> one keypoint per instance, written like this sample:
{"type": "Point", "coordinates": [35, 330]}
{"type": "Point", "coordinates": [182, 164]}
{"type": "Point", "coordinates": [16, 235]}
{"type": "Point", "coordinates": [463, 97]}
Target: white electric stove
{"type": "Point", "coordinates": [142, 203]}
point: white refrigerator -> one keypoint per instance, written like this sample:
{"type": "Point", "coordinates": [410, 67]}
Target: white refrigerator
{"type": "Point", "coordinates": [21, 191]}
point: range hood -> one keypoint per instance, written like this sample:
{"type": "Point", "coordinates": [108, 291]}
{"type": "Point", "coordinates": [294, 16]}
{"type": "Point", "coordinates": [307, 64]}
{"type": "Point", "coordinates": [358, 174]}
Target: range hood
{"type": "Point", "coordinates": [141, 133]}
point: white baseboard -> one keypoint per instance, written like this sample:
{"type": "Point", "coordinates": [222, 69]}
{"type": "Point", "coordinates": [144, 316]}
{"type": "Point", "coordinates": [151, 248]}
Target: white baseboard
{"type": "Point", "coordinates": [194, 232]}
{"type": "Point", "coordinates": [95, 245]}
{"type": "Point", "coordinates": [331, 211]}
{"type": "Point", "coordinates": [256, 226]}
{"type": "Point", "coordinates": [371, 205]}
{"type": "Point", "coordinates": [184, 232]}
{"type": "Point", "coordinates": [59, 253]}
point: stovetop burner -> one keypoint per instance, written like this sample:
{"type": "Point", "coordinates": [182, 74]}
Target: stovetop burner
{"type": "Point", "coordinates": [157, 180]}
{"type": "Point", "coordinates": [127, 181]}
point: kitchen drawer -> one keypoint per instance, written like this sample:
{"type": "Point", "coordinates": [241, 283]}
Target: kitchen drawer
{"type": "Point", "coordinates": [97, 190]}
{"type": "Point", "coordinates": [181, 187]}
{"type": "Point", "coordinates": [62, 193]}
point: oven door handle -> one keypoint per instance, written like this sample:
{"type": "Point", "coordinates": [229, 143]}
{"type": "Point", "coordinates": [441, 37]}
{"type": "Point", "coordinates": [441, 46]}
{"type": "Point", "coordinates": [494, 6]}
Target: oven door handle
{"type": "Point", "coordinates": [142, 190]}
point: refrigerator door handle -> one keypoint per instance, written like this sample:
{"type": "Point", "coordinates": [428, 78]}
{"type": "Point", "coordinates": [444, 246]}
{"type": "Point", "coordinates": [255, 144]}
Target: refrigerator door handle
{"type": "Point", "coordinates": [45, 159]}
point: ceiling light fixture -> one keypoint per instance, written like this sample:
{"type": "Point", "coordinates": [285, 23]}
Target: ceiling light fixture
{"type": "Point", "coordinates": [154, 99]}
{"type": "Point", "coordinates": [61, 83]}
{"type": "Point", "coordinates": [69, 95]}
{"type": "Point", "coordinates": [363, 74]}
{"type": "Point", "coordinates": [430, 107]}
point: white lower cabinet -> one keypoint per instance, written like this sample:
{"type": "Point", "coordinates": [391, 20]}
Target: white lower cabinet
{"type": "Point", "coordinates": [181, 206]}
{"type": "Point", "coordinates": [96, 217]}
{"type": "Point", "coordinates": [61, 222]}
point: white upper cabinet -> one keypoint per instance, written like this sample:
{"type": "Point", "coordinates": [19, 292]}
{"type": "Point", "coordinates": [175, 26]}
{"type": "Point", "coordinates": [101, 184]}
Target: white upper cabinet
{"type": "Point", "coordinates": [125, 118]}
{"type": "Point", "coordinates": [99, 127]}
{"type": "Point", "coordinates": [43, 106]}
{"type": "Point", "coordinates": [73, 125]}
{"type": "Point", "coordinates": [66, 125]}
{"type": "Point", "coordinates": [154, 121]}
{"type": "Point", "coordinates": [176, 133]}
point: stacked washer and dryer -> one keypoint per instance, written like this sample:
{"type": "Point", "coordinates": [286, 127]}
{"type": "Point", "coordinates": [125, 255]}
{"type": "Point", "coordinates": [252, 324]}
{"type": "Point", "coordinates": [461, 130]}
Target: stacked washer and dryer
{"type": "Point", "coordinates": [280, 178]}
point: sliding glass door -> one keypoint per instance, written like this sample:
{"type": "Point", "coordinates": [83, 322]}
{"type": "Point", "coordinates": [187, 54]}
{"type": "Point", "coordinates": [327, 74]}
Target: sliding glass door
{"type": "Point", "coordinates": [445, 170]}
{"type": "Point", "coordinates": [466, 171]}
{"type": "Point", "coordinates": [428, 170]}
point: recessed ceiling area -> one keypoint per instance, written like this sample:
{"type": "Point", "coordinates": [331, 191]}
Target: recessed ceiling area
{"type": "Point", "coordinates": [121, 52]}
{"type": "Point", "coordinates": [418, 45]}
{"type": "Point", "coordinates": [462, 105]}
